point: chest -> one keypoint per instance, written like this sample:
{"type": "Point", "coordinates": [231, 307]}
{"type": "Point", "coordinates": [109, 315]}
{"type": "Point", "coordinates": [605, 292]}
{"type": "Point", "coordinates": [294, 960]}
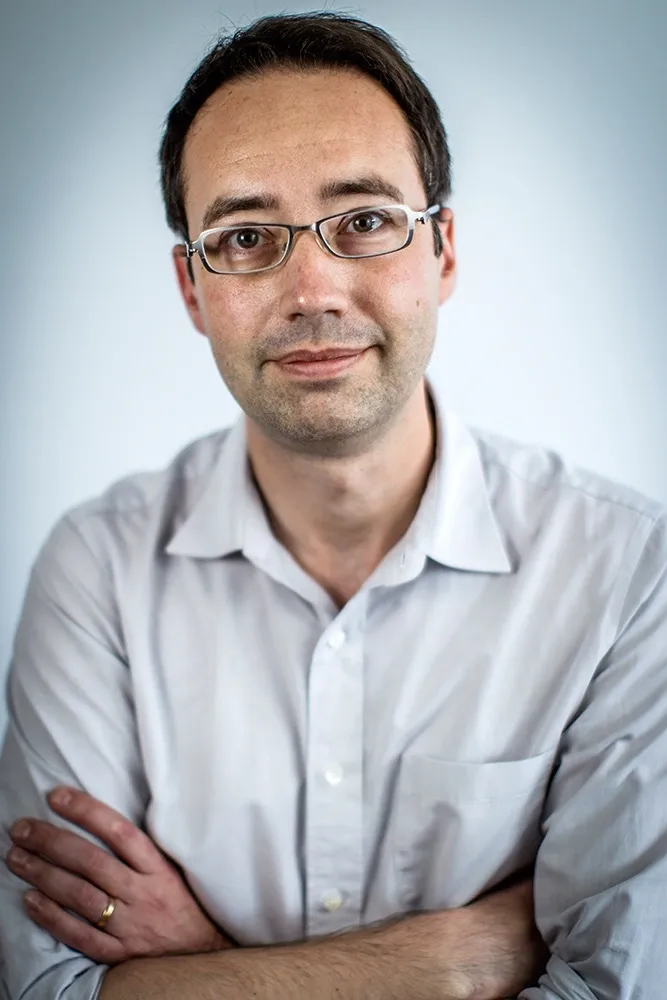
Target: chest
{"type": "Point", "coordinates": [246, 678]}
{"type": "Point", "coordinates": [377, 753]}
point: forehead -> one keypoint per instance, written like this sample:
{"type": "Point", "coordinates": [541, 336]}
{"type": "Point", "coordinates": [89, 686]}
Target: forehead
{"type": "Point", "coordinates": [290, 132]}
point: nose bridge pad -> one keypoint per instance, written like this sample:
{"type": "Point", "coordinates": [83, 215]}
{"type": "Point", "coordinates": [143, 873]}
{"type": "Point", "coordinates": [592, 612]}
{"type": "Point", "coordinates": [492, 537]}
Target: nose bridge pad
{"type": "Point", "coordinates": [318, 239]}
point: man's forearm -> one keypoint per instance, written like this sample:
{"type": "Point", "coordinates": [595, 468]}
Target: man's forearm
{"type": "Point", "coordinates": [479, 952]}
{"type": "Point", "coordinates": [390, 962]}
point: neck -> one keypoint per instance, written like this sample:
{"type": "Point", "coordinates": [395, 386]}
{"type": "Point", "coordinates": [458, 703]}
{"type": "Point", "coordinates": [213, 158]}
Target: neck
{"type": "Point", "coordinates": [339, 517]}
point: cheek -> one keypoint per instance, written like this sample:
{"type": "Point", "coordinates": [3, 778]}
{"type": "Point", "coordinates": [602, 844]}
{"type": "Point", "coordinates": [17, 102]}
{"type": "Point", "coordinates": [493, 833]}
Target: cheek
{"type": "Point", "coordinates": [227, 307]}
{"type": "Point", "coordinates": [401, 288]}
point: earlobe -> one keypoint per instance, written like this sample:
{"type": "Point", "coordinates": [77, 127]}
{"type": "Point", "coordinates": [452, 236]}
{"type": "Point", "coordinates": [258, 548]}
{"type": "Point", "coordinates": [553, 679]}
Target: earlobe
{"type": "Point", "coordinates": [187, 286]}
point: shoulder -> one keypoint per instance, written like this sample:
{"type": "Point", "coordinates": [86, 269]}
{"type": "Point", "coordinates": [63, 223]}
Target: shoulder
{"type": "Point", "coordinates": [539, 496]}
{"type": "Point", "coordinates": [143, 503]}
{"type": "Point", "coordinates": [542, 471]}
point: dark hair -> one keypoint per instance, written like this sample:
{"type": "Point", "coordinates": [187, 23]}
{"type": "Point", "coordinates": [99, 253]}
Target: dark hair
{"type": "Point", "coordinates": [308, 41]}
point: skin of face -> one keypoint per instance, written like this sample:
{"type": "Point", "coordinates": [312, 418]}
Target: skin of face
{"type": "Point", "coordinates": [284, 135]}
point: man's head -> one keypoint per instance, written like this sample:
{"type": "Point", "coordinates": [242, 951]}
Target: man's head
{"type": "Point", "coordinates": [294, 119]}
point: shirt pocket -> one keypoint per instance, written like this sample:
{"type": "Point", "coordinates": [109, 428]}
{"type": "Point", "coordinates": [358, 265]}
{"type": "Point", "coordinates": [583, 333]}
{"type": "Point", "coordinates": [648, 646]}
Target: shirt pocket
{"type": "Point", "coordinates": [460, 828]}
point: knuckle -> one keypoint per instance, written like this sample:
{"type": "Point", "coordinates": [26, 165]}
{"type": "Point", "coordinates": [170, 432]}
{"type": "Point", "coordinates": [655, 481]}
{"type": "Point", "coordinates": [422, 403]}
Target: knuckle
{"type": "Point", "coordinates": [29, 863]}
{"type": "Point", "coordinates": [122, 831]}
{"type": "Point", "coordinates": [36, 838]}
{"type": "Point", "coordinates": [41, 909]}
{"type": "Point", "coordinates": [88, 852]}
{"type": "Point", "coordinates": [126, 883]}
{"type": "Point", "coordinates": [92, 859]}
{"type": "Point", "coordinates": [91, 899]}
{"type": "Point", "coordinates": [35, 869]}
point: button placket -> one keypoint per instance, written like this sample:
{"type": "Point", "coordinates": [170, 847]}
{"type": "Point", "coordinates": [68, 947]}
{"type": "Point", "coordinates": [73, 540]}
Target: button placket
{"type": "Point", "coordinates": [334, 806]}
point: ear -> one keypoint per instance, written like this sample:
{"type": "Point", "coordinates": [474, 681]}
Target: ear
{"type": "Point", "coordinates": [448, 256]}
{"type": "Point", "coordinates": [187, 285]}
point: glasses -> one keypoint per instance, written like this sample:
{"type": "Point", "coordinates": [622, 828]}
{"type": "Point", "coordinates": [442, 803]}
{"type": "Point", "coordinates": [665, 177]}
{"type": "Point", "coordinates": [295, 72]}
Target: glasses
{"type": "Point", "coordinates": [249, 247]}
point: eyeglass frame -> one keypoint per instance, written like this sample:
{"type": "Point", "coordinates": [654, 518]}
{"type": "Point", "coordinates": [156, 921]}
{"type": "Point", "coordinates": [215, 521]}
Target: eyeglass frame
{"type": "Point", "coordinates": [197, 246]}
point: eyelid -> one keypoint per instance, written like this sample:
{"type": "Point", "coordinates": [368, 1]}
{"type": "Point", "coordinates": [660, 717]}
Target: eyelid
{"type": "Point", "coordinates": [364, 210]}
{"type": "Point", "coordinates": [244, 226]}
{"type": "Point", "coordinates": [344, 216]}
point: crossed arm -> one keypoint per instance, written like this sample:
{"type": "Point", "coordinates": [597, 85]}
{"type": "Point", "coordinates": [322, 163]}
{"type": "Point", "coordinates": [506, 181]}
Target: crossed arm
{"type": "Point", "coordinates": [160, 942]}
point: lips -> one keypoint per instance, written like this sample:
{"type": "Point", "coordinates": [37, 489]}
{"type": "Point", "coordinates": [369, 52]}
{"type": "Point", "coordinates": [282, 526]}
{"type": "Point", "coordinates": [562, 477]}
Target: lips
{"type": "Point", "coordinates": [326, 355]}
{"type": "Point", "coordinates": [309, 366]}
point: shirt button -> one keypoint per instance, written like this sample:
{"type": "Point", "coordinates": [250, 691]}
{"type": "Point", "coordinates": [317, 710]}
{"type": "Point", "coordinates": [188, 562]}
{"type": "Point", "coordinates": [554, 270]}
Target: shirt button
{"type": "Point", "coordinates": [332, 900]}
{"type": "Point", "coordinates": [334, 774]}
{"type": "Point", "coordinates": [336, 639]}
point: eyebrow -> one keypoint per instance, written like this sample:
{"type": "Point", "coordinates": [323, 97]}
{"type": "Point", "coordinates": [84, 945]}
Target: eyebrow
{"type": "Point", "coordinates": [371, 184]}
{"type": "Point", "coordinates": [227, 205]}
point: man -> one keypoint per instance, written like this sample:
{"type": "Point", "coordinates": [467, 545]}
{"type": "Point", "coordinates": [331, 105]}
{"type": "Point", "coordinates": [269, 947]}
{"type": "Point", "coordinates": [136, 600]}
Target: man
{"type": "Point", "coordinates": [373, 684]}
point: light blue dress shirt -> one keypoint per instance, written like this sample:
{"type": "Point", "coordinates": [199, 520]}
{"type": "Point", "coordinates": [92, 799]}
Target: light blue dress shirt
{"type": "Point", "coordinates": [494, 697]}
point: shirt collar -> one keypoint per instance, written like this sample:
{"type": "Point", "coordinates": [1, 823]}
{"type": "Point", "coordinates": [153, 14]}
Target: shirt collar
{"type": "Point", "coordinates": [455, 524]}
{"type": "Point", "coordinates": [459, 528]}
{"type": "Point", "coordinates": [228, 507]}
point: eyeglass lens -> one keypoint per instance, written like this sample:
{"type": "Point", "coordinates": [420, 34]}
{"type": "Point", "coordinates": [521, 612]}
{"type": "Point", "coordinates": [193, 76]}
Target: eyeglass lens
{"type": "Point", "coordinates": [367, 233]}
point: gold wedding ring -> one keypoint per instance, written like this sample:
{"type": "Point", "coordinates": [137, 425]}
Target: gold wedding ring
{"type": "Point", "coordinates": [107, 913]}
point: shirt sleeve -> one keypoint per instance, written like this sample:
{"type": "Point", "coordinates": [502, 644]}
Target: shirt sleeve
{"type": "Point", "coordinates": [71, 721]}
{"type": "Point", "coordinates": [601, 870]}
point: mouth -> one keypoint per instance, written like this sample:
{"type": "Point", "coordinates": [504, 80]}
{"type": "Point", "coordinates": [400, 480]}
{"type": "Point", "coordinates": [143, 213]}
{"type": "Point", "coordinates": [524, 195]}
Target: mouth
{"type": "Point", "coordinates": [320, 364]}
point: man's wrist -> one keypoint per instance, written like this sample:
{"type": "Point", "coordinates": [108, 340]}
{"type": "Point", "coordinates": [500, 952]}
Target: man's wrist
{"type": "Point", "coordinates": [414, 957]}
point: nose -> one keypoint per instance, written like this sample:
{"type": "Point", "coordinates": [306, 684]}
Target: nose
{"type": "Point", "coordinates": [313, 281]}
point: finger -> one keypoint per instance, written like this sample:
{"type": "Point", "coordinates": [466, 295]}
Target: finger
{"type": "Point", "coordinates": [124, 838]}
{"type": "Point", "coordinates": [63, 888]}
{"type": "Point", "coordinates": [75, 933]}
{"type": "Point", "coordinates": [76, 854]}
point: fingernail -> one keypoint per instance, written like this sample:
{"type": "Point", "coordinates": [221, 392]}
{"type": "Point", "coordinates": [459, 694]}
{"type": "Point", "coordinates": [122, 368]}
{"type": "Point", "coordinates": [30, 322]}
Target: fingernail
{"type": "Point", "coordinates": [62, 797]}
{"type": "Point", "coordinates": [17, 855]}
{"type": "Point", "coordinates": [21, 830]}
{"type": "Point", "coordinates": [32, 900]}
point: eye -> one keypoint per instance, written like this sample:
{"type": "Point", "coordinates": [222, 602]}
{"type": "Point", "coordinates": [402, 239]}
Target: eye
{"type": "Point", "coordinates": [244, 239]}
{"type": "Point", "coordinates": [363, 223]}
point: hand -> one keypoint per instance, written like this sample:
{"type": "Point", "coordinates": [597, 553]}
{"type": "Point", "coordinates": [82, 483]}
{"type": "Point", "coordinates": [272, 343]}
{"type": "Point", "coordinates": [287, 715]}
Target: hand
{"type": "Point", "coordinates": [155, 913]}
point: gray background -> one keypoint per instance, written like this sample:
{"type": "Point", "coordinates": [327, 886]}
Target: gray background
{"type": "Point", "coordinates": [557, 116]}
